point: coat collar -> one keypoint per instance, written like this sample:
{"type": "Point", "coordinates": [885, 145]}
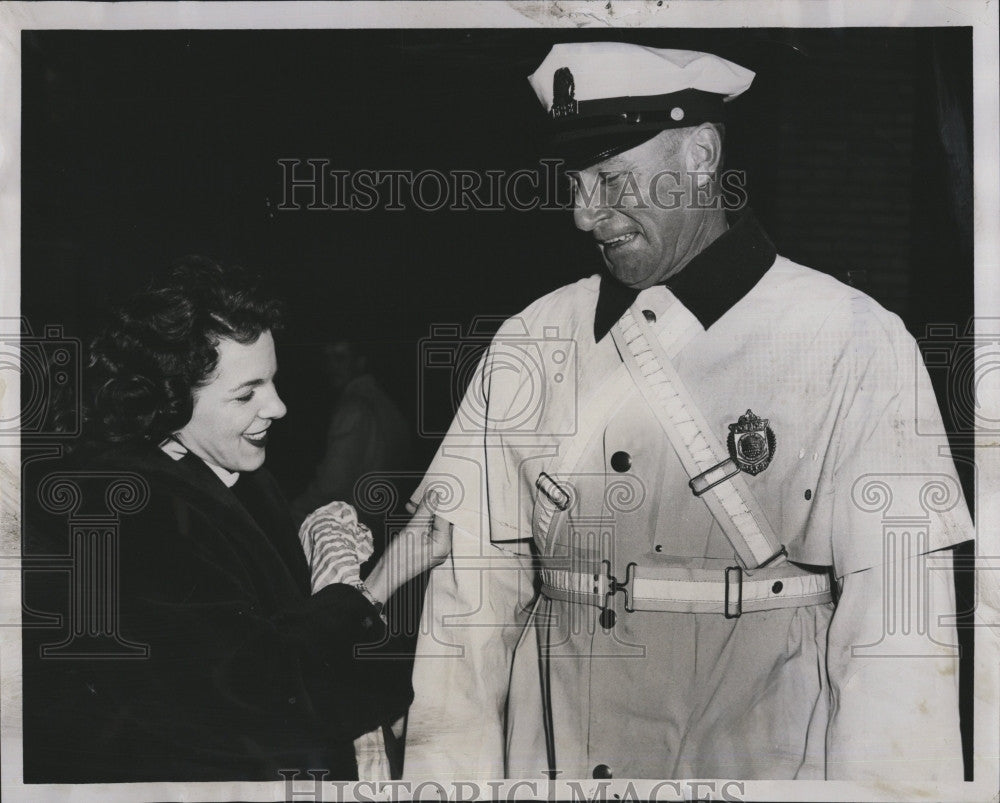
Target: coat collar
{"type": "Point", "coordinates": [709, 285]}
{"type": "Point", "coordinates": [173, 448]}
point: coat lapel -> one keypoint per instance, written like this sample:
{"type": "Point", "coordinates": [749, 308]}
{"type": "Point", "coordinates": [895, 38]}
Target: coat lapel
{"type": "Point", "coordinates": [191, 480]}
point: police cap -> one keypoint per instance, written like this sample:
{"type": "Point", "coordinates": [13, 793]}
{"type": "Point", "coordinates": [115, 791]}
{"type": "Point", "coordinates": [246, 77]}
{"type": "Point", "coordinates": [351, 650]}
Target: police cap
{"type": "Point", "coordinates": [604, 98]}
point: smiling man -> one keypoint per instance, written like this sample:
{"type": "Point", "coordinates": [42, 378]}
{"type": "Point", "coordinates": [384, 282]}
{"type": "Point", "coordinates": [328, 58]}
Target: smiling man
{"type": "Point", "coordinates": [646, 229]}
{"type": "Point", "coordinates": [701, 507]}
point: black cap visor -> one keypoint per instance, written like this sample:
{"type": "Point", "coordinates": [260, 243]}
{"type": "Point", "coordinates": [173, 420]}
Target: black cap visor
{"type": "Point", "coordinates": [596, 130]}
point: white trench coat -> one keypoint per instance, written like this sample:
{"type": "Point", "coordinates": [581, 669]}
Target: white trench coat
{"type": "Point", "coordinates": [856, 486]}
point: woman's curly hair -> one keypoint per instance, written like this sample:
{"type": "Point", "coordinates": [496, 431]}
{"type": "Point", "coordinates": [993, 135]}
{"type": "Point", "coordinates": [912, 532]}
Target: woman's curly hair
{"type": "Point", "coordinates": [161, 345]}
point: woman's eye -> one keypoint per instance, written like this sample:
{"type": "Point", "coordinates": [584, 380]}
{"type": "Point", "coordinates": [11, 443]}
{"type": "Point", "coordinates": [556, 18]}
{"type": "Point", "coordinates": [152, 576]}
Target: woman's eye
{"type": "Point", "coordinates": [245, 398]}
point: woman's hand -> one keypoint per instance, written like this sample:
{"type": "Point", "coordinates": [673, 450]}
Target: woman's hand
{"type": "Point", "coordinates": [336, 544]}
{"type": "Point", "coordinates": [428, 535]}
{"type": "Point", "coordinates": [422, 544]}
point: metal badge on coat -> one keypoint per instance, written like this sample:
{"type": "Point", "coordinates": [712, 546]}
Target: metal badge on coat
{"type": "Point", "coordinates": [751, 443]}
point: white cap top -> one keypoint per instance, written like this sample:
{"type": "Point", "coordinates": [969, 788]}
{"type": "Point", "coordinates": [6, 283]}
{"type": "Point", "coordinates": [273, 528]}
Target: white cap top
{"type": "Point", "coordinates": [618, 69]}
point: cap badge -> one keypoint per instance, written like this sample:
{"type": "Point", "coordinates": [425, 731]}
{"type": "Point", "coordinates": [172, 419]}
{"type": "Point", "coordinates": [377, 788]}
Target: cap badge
{"type": "Point", "coordinates": [563, 89]}
{"type": "Point", "coordinates": [751, 443]}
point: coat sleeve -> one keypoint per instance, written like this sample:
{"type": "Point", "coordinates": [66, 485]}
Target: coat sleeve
{"type": "Point", "coordinates": [473, 617]}
{"type": "Point", "coordinates": [235, 662]}
{"type": "Point", "coordinates": [477, 602]}
{"type": "Point", "coordinates": [894, 715]}
{"type": "Point", "coordinates": [892, 649]}
{"type": "Point", "coordinates": [892, 456]}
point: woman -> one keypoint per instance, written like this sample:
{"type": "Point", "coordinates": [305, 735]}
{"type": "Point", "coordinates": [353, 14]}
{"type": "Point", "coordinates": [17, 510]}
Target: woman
{"type": "Point", "coordinates": [248, 672]}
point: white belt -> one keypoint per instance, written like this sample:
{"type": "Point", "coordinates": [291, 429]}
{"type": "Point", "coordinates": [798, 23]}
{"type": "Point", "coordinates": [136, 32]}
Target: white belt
{"type": "Point", "coordinates": [731, 591]}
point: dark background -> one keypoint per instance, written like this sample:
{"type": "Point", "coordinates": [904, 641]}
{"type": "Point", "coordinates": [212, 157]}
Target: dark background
{"type": "Point", "coordinates": [141, 146]}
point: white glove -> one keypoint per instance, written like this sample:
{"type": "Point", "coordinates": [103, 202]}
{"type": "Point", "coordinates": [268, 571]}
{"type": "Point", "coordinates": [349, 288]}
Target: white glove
{"type": "Point", "coordinates": [335, 544]}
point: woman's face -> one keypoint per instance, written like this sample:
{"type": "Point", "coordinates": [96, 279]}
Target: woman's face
{"type": "Point", "coordinates": [233, 410]}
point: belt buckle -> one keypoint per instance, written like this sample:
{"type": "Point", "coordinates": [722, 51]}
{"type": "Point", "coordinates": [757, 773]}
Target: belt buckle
{"type": "Point", "coordinates": [615, 585]}
{"type": "Point", "coordinates": [739, 593]}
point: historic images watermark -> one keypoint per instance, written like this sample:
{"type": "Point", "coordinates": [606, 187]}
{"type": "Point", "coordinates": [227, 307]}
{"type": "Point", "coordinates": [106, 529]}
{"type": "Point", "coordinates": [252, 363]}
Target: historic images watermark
{"type": "Point", "coordinates": [908, 507]}
{"type": "Point", "coordinates": [311, 785]}
{"type": "Point", "coordinates": [314, 184]}
{"type": "Point", "coordinates": [92, 503]}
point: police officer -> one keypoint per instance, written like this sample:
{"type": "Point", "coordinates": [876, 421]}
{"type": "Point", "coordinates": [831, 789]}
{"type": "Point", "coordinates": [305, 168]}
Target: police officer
{"type": "Point", "coordinates": [697, 458]}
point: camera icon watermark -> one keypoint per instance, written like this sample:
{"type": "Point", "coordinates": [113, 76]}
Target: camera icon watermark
{"type": "Point", "coordinates": [48, 367]}
{"type": "Point", "coordinates": [964, 364]}
{"type": "Point", "coordinates": [470, 368]}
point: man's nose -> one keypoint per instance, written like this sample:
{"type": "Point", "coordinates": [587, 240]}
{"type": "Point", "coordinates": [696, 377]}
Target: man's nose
{"type": "Point", "coordinates": [586, 216]}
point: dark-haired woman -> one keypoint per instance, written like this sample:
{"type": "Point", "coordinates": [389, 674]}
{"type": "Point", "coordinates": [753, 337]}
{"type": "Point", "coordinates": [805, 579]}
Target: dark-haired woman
{"type": "Point", "coordinates": [248, 673]}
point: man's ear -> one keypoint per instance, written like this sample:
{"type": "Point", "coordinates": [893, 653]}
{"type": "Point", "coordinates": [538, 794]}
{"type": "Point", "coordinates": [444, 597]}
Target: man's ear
{"type": "Point", "coordinates": [703, 153]}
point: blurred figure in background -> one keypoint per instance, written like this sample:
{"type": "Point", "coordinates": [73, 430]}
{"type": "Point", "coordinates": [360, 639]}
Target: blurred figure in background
{"type": "Point", "coordinates": [367, 433]}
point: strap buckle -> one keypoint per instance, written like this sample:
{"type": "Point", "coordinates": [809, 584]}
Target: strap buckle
{"type": "Point", "coordinates": [781, 553]}
{"type": "Point", "coordinates": [776, 559]}
{"type": "Point", "coordinates": [737, 606]}
{"type": "Point", "coordinates": [706, 481]}
{"type": "Point", "coordinates": [552, 490]}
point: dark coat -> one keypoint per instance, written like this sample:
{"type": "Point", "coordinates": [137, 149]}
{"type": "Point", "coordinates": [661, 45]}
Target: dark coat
{"type": "Point", "coordinates": [247, 672]}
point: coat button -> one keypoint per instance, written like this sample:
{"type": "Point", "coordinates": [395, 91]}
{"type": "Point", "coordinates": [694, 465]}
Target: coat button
{"type": "Point", "coordinates": [649, 315]}
{"type": "Point", "coordinates": [776, 588]}
{"type": "Point", "coordinates": [621, 462]}
{"type": "Point", "coordinates": [607, 618]}
{"type": "Point", "coordinates": [602, 771]}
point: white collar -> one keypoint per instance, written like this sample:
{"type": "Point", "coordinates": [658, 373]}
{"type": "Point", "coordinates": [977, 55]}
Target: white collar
{"type": "Point", "coordinates": [176, 450]}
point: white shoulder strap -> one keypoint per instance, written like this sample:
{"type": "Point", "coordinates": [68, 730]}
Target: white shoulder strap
{"type": "Point", "coordinates": [555, 487]}
{"type": "Point", "coordinates": [714, 476]}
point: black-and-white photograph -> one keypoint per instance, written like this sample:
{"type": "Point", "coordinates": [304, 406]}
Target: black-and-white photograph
{"type": "Point", "coordinates": [498, 401]}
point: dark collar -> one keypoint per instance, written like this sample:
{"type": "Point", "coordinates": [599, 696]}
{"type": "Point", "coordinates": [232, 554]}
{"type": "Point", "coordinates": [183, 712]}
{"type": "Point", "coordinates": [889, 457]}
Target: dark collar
{"type": "Point", "coordinates": [709, 285]}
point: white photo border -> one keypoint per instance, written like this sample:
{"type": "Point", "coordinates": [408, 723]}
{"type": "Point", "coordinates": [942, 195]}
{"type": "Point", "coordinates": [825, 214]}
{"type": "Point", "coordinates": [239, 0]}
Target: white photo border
{"type": "Point", "coordinates": [981, 16]}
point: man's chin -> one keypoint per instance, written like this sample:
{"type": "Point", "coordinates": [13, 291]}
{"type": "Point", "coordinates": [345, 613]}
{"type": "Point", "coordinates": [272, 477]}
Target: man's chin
{"type": "Point", "coordinates": [634, 277]}
{"type": "Point", "coordinates": [631, 281]}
